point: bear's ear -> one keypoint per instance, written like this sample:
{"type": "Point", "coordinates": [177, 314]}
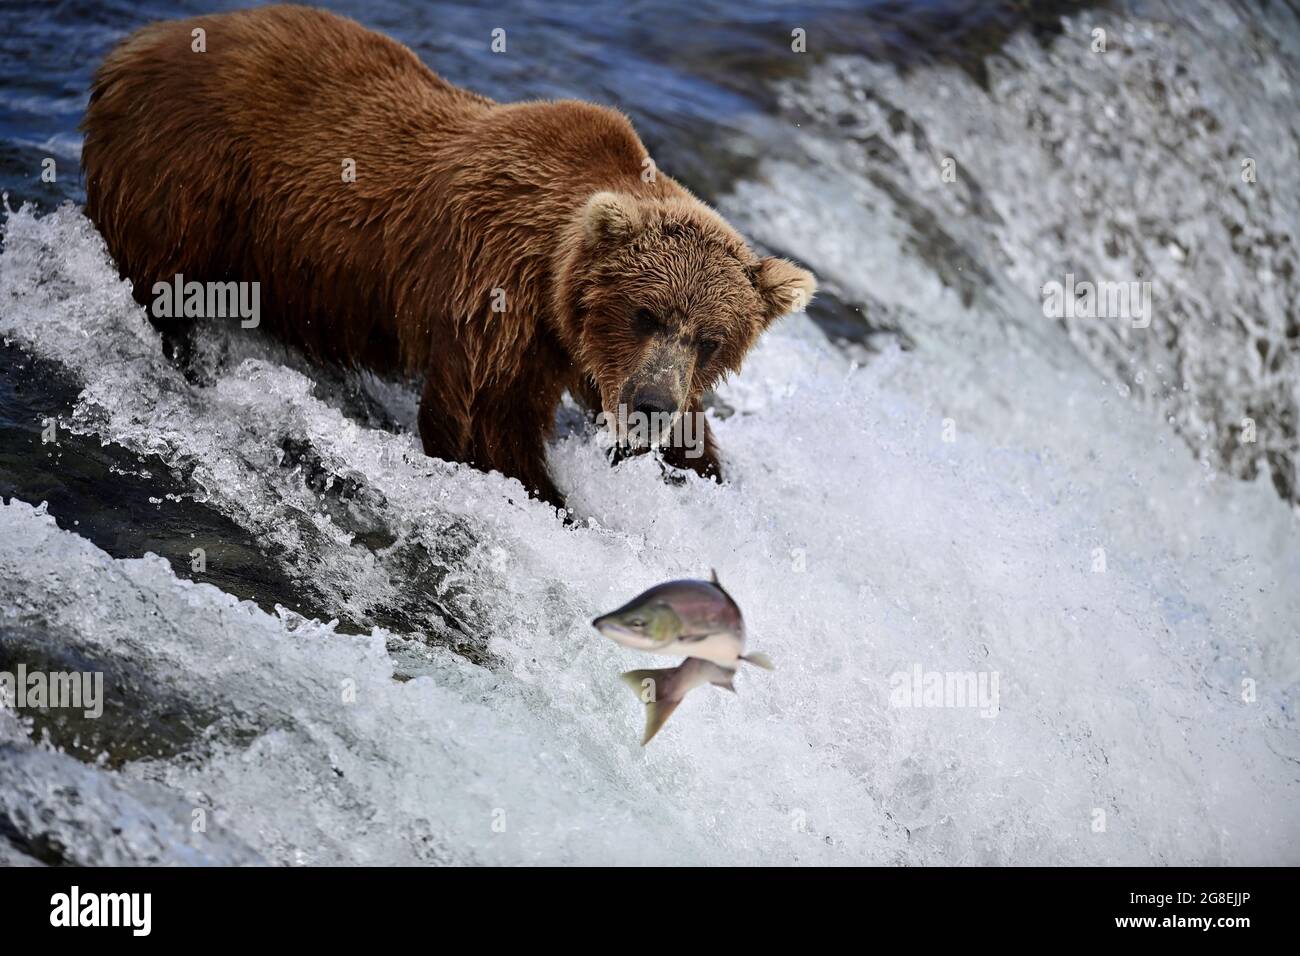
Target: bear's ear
{"type": "Point", "coordinates": [783, 287]}
{"type": "Point", "coordinates": [610, 216]}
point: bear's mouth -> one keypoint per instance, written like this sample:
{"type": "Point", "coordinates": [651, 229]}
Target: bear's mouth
{"type": "Point", "coordinates": [638, 416]}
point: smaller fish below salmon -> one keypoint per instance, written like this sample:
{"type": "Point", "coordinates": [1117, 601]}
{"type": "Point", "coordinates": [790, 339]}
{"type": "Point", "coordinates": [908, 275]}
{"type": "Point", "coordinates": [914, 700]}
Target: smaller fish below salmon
{"type": "Point", "coordinates": [697, 619]}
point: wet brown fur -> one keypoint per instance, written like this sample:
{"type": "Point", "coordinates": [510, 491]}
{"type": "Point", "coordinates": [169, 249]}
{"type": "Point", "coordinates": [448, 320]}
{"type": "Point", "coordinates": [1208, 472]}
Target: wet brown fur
{"type": "Point", "coordinates": [227, 166]}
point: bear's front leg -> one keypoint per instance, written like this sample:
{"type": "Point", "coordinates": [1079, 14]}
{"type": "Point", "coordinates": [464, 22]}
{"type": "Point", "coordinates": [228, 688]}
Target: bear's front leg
{"type": "Point", "coordinates": [508, 434]}
{"type": "Point", "coordinates": [491, 440]}
{"type": "Point", "coordinates": [444, 422]}
{"type": "Point", "coordinates": [525, 459]}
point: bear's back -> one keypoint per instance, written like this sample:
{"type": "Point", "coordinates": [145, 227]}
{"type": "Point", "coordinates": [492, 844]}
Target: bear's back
{"type": "Point", "coordinates": [277, 145]}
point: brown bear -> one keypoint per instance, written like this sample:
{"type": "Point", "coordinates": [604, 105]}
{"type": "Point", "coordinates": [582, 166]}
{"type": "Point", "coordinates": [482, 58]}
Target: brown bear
{"type": "Point", "coordinates": [505, 252]}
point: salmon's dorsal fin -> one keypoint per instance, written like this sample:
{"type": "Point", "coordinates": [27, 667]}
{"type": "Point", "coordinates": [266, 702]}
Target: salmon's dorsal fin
{"type": "Point", "coordinates": [713, 579]}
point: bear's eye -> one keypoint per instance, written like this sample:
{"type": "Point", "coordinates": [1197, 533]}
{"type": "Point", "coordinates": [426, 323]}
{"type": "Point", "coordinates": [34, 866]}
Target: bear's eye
{"type": "Point", "coordinates": [646, 323]}
{"type": "Point", "coordinates": [707, 348]}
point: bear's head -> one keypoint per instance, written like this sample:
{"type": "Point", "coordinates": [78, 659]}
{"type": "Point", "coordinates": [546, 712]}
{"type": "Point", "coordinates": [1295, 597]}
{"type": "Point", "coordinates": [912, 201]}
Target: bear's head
{"type": "Point", "coordinates": [667, 299]}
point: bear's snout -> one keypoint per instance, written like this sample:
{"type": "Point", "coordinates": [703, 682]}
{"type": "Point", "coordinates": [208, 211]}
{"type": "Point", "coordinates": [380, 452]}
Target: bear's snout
{"type": "Point", "coordinates": [654, 396]}
{"type": "Point", "coordinates": [649, 409]}
{"type": "Point", "coordinates": [653, 400]}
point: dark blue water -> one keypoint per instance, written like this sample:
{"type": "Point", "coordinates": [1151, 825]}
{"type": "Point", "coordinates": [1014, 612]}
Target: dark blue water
{"type": "Point", "coordinates": [677, 68]}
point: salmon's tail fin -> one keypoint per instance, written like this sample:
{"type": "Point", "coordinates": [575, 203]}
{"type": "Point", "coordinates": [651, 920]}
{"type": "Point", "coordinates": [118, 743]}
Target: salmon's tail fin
{"type": "Point", "coordinates": [652, 687]}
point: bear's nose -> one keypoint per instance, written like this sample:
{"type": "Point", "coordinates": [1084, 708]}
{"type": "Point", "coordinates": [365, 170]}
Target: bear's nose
{"type": "Point", "coordinates": [653, 401]}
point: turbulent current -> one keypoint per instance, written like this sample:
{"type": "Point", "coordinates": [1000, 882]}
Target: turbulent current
{"type": "Point", "coordinates": [319, 646]}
